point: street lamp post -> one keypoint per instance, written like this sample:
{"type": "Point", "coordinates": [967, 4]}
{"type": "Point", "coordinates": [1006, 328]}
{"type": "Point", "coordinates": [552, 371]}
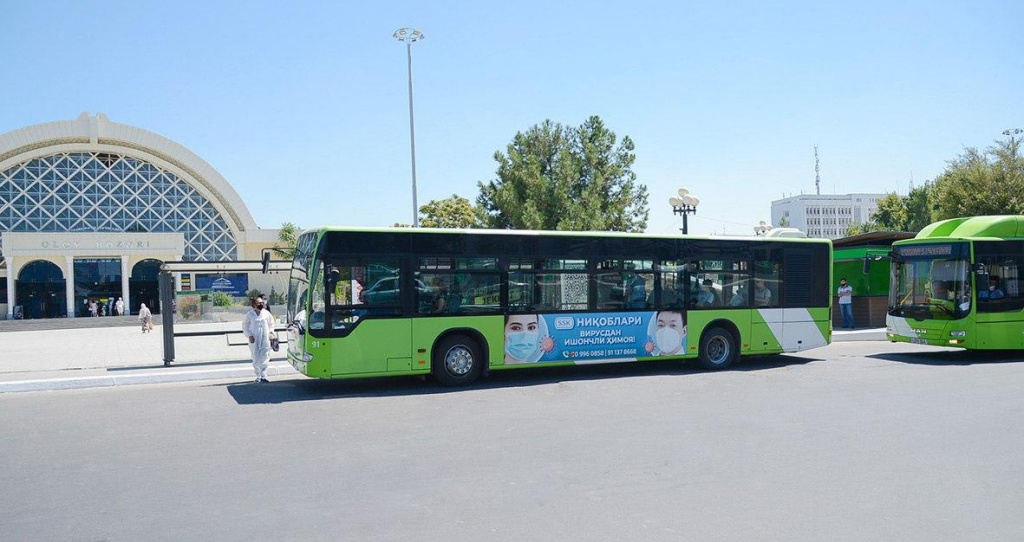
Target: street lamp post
{"type": "Point", "coordinates": [761, 228]}
{"type": "Point", "coordinates": [1011, 133]}
{"type": "Point", "coordinates": [684, 205]}
{"type": "Point", "coordinates": [410, 36]}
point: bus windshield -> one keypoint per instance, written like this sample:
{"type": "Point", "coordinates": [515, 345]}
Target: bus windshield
{"type": "Point", "coordinates": [930, 281]}
{"type": "Point", "coordinates": [298, 282]}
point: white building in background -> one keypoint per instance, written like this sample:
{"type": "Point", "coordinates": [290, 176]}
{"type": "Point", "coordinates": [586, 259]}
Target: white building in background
{"type": "Point", "coordinates": [825, 216]}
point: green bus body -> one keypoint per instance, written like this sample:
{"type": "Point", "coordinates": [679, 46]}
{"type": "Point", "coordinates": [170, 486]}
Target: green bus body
{"type": "Point", "coordinates": [974, 264]}
{"type": "Point", "coordinates": [361, 301]}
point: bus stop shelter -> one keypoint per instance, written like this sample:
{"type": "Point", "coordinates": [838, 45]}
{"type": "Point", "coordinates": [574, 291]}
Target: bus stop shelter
{"type": "Point", "coordinates": [166, 284]}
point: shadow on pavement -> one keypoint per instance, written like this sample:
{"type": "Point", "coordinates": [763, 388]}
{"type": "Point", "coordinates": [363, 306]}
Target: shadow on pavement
{"type": "Point", "coordinates": [160, 365]}
{"type": "Point", "coordinates": [308, 389]}
{"type": "Point", "coordinates": [951, 357]}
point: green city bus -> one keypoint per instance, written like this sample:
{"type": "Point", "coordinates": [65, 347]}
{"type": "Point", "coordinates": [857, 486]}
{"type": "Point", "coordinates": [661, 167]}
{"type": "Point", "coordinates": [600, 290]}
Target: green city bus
{"type": "Point", "coordinates": [957, 283]}
{"type": "Point", "coordinates": [456, 304]}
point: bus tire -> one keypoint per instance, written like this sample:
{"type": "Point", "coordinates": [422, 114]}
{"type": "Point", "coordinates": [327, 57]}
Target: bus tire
{"type": "Point", "coordinates": [717, 349]}
{"type": "Point", "coordinates": [457, 361]}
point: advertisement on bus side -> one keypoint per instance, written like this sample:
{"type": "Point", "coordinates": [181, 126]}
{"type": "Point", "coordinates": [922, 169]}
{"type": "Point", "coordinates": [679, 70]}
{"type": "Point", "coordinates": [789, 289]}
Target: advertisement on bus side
{"type": "Point", "coordinates": [593, 337]}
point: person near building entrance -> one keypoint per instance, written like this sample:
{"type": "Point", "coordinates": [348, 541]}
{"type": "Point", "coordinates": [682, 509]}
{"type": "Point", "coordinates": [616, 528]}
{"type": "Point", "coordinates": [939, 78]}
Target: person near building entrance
{"type": "Point", "coordinates": [146, 318]}
{"type": "Point", "coordinates": [119, 307]}
{"type": "Point", "coordinates": [845, 293]}
{"type": "Point", "coordinates": [258, 327]}
{"type": "Point", "coordinates": [93, 308]}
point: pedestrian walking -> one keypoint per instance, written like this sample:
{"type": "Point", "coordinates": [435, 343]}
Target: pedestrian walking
{"type": "Point", "coordinates": [93, 308]}
{"type": "Point", "coordinates": [846, 303]}
{"type": "Point", "coordinates": [258, 327]}
{"type": "Point", "coordinates": [119, 307]}
{"type": "Point", "coordinates": [146, 318]}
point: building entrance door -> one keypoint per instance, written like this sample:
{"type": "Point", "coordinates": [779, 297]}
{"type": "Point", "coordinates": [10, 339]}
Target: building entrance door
{"type": "Point", "coordinates": [97, 280]}
{"type": "Point", "coordinates": [40, 291]}
{"type": "Point", "coordinates": [143, 286]}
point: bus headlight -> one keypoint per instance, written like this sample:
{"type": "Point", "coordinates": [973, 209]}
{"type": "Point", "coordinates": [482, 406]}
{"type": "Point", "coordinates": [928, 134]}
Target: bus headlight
{"type": "Point", "coordinates": [961, 333]}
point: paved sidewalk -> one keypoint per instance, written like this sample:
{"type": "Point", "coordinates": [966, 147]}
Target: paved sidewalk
{"type": "Point", "coordinates": [71, 358]}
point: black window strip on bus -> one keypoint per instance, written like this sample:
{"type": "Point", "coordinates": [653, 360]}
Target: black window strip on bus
{"type": "Point", "coordinates": [797, 289]}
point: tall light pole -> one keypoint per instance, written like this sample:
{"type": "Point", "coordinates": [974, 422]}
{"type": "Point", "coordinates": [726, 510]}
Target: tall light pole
{"type": "Point", "coordinates": [1011, 133]}
{"type": "Point", "coordinates": [410, 36]}
{"type": "Point", "coordinates": [685, 204]}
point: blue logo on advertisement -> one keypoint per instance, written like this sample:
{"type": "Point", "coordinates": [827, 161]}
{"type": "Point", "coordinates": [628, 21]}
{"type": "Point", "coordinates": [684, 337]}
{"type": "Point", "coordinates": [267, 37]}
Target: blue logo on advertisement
{"type": "Point", "coordinates": [563, 322]}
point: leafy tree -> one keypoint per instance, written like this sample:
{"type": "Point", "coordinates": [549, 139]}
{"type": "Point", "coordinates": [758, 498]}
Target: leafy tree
{"type": "Point", "coordinates": [919, 209]}
{"type": "Point", "coordinates": [981, 183]}
{"type": "Point", "coordinates": [555, 177]}
{"type": "Point", "coordinates": [783, 222]}
{"type": "Point", "coordinates": [891, 214]}
{"type": "Point", "coordinates": [288, 237]}
{"type": "Point", "coordinates": [453, 212]}
{"type": "Point", "coordinates": [858, 228]}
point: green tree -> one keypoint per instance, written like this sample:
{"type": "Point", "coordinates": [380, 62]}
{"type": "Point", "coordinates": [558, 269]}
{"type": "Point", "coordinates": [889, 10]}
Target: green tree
{"type": "Point", "coordinates": [453, 212]}
{"type": "Point", "coordinates": [919, 209]}
{"type": "Point", "coordinates": [891, 214]}
{"type": "Point", "coordinates": [287, 238]}
{"type": "Point", "coordinates": [981, 183]}
{"type": "Point", "coordinates": [555, 177]}
{"type": "Point", "coordinates": [783, 222]}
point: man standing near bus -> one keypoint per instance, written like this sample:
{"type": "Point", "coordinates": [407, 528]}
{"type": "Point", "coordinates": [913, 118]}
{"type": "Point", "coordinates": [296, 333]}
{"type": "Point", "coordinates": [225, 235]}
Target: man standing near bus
{"type": "Point", "coordinates": [846, 303]}
{"type": "Point", "coordinates": [258, 327]}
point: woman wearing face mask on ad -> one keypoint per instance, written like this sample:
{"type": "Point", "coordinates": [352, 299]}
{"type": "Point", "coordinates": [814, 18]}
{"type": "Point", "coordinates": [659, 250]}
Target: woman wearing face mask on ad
{"type": "Point", "coordinates": [525, 340]}
{"type": "Point", "coordinates": [667, 334]}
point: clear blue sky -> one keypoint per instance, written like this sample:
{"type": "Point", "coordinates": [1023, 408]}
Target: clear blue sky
{"type": "Point", "coordinates": [726, 98]}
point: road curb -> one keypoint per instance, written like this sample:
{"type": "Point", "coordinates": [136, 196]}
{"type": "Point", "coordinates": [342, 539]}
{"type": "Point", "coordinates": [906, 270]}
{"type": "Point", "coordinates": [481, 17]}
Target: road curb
{"type": "Point", "coordinates": [52, 384]}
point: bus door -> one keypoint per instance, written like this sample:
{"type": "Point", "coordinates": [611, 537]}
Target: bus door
{"type": "Point", "coordinates": [366, 314]}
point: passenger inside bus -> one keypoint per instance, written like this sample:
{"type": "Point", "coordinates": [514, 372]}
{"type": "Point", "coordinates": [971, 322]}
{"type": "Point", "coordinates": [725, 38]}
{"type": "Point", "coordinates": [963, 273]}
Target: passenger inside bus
{"type": "Point", "coordinates": [440, 300]}
{"type": "Point", "coordinates": [993, 291]}
{"type": "Point", "coordinates": [707, 297]}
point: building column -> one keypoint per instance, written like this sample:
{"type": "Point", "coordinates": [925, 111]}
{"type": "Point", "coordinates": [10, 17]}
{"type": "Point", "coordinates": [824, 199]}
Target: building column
{"type": "Point", "coordinates": [69, 284]}
{"type": "Point", "coordinates": [10, 287]}
{"type": "Point", "coordinates": [124, 284]}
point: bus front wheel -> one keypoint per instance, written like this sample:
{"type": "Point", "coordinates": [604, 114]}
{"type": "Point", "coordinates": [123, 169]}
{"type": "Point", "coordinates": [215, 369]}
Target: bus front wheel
{"type": "Point", "coordinates": [457, 361]}
{"type": "Point", "coordinates": [717, 349]}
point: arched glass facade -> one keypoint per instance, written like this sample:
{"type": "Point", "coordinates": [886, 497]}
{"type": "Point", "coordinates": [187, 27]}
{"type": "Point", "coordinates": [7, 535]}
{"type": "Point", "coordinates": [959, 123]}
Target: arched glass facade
{"type": "Point", "coordinates": [104, 192]}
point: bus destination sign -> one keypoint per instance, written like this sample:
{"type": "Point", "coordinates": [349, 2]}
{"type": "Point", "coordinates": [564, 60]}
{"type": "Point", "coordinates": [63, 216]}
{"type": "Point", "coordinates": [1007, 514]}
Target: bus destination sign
{"type": "Point", "coordinates": [918, 251]}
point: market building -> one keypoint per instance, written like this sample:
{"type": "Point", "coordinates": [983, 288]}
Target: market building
{"type": "Point", "coordinates": [89, 210]}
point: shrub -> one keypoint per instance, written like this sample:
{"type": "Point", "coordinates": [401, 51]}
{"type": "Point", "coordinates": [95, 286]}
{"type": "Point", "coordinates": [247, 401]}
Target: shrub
{"type": "Point", "coordinates": [220, 299]}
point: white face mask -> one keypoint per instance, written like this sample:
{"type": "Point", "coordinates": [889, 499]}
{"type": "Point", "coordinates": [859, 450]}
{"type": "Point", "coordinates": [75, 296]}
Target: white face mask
{"type": "Point", "coordinates": [669, 339]}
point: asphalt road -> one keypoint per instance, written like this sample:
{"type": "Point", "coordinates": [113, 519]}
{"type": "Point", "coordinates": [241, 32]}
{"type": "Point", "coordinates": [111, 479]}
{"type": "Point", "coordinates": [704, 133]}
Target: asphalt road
{"type": "Point", "coordinates": [837, 444]}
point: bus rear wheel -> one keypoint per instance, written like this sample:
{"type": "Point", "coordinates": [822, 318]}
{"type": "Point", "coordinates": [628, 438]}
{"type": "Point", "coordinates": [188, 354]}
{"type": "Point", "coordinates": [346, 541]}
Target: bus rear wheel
{"type": "Point", "coordinates": [717, 349]}
{"type": "Point", "coordinates": [457, 361]}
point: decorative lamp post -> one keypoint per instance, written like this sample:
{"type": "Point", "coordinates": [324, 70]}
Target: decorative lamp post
{"type": "Point", "coordinates": [1012, 132]}
{"type": "Point", "coordinates": [686, 203]}
{"type": "Point", "coordinates": [762, 228]}
{"type": "Point", "coordinates": [410, 36]}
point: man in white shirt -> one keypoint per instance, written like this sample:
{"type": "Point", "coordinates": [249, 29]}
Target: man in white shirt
{"type": "Point", "coordinates": [845, 293]}
{"type": "Point", "coordinates": [258, 327]}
